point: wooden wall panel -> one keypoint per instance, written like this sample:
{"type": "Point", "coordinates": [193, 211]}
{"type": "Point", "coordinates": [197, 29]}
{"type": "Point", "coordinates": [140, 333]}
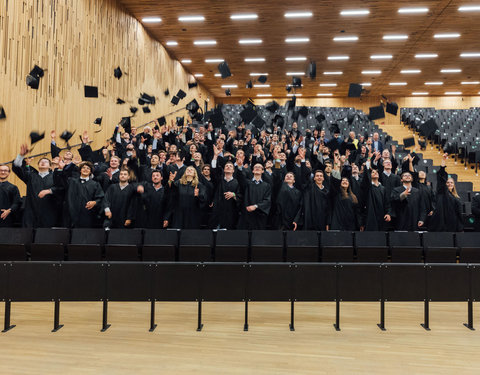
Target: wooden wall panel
{"type": "Point", "coordinates": [79, 42]}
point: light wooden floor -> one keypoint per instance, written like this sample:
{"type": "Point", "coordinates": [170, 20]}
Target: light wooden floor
{"type": "Point", "coordinates": [223, 348]}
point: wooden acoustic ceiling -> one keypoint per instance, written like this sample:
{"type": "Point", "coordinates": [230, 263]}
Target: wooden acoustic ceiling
{"type": "Point", "coordinates": [417, 33]}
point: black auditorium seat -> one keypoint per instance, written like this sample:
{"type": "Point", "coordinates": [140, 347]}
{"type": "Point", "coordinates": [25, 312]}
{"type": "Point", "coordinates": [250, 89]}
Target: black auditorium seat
{"type": "Point", "coordinates": [267, 246]}
{"type": "Point", "coordinates": [159, 245]}
{"type": "Point", "coordinates": [337, 246]}
{"type": "Point", "coordinates": [406, 247]}
{"type": "Point", "coordinates": [195, 245]}
{"type": "Point", "coordinates": [371, 246]}
{"type": "Point", "coordinates": [469, 246]}
{"type": "Point", "coordinates": [86, 244]}
{"type": "Point", "coordinates": [15, 243]}
{"type": "Point", "coordinates": [123, 245]}
{"type": "Point", "coordinates": [231, 246]}
{"type": "Point", "coordinates": [439, 247]}
{"type": "Point", "coordinates": [50, 244]}
{"type": "Point", "coordinates": [302, 246]}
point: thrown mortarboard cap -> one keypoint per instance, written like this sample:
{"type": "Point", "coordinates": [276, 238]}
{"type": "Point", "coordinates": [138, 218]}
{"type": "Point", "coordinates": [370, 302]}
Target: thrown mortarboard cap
{"type": "Point", "coordinates": [216, 117]}
{"type": "Point", "coordinates": [37, 72]}
{"type": "Point", "coordinates": [66, 135]}
{"type": "Point", "coordinates": [248, 114]}
{"type": "Point", "coordinates": [198, 117]}
{"type": "Point", "coordinates": [2, 113]}
{"type": "Point", "coordinates": [98, 121]}
{"type": "Point", "coordinates": [296, 82]}
{"type": "Point", "coordinates": [392, 108]}
{"type": "Point", "coordinates": [192, 85]}
{"type": "Point", "coordinates": [354, 90]}
{"type": "Point", "coordinates": [312, 70]}
{"type": "Point", "coordinates": [146, 110]}
{"type": "Point", "coordinates": [288, 88]}
{"type": "Point", "coordinates": [180, 121]}
{"type": "Point", "coordinates": [161, 121]}
{"type": "Point", "coordinates": [36, 137]}
{"type": "Point", "coordinates": [249, 104]}
{"type": "Point", "coordinates": [320, 117]}
{"type": "Point", "coordinates": [408, 142]}
{"type": "Point", "coordinates": [175, 100]}
{"type": "Point", "coordinates": [166, 92]}
{"type": "Point", "coordinates": [33, 78]}
{"type": "Point", "coordinates": [91, 91]}
{"type": "Point", "coordinates": [303, 111]}
{"type": "Point", "coordinates": [262, 79]}
{"type": "Point", "coordinates": [146, 99]}
{"type": "Point", "coordinates": [224, 69]}
{"type": "Point", "coordinates": [279, 121]}
{"type": "Point", "coordinates": [258, 122]}
{"type": "Point", "coordinates": [249, 84]}
{"type": "Point", "coordinates": [193, 107]}
{"type": "Point", "coordinates": [228, 92]}
{"type": "Point", "coordinates": [272, 106]}
{"type": "Point", "coordinates": [181, 94]}
{"type": "Point", "coordinates": [120, 101]}
{"type": "Point", "coordinates": [376, 113]}
{"type": "Point", "coordinates": [295, 115]}
{"type": "Point", "coordinates": [133, 110]}
{"type": "Point", "coordinates": [117, 73]}
{"type": "Point", "coordinates": [126, 123]}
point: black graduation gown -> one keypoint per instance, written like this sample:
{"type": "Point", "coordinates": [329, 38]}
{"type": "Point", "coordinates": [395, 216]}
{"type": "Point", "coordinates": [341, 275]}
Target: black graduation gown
{"type": "Point", "coordinates": [289, 207]}
{"type": "Point", "coordinates": [9, 199]}
{"type": "Point", "coordinates": [226, 212]}
{"type": "Point", "coordinates": [156, 207]}
{"type": "Point", "coordinates": [389, 182]}
{"type": "Point", "coordinates": [409, 211]}
{"type": "Point", "coordinates": [316, 208]}
{"type": "Point", "coordinates": [122, 204]}
{"type": "Point", "coordinates": [259, 194]}
{"type": "Point", "coordinates": [345, 210]}
{"type": "Point", "coordinates": [476, 212]}
{"type": "Point", "coordinates": [39, 212]}
{"type": "Point", "coordinates": [105, 181]}
{"type": "Point", "coordinates": [377, 204]}
{"type": "Point", "coordinates": [447, 216]}
{"type": "Point", "coordinates": [189, 209]}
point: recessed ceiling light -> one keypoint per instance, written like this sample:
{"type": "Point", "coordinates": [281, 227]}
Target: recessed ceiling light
{"type": "Point", "coordinates": [198, 75]}
{"type": "Point", "coordinates": [261, 86]}
{"type": "Point", "coordinates": [412, 10]}
{"type": "Point", "coordinates": [264, 95]}
{"type": "Point", "coordinates": [298, 14]}
{"type": "Point", "coordinates": [218, 75]}
{"type": "Point", "coordinates": [186, 61]}
{"type": "Point", "coordinates": [205, 42]}
{"type": "Point", "coordinates": [338, 58]}
{"type": "Point", "coordinates": [294, 94]}
{"type": "Point", "coordinates": [250, 41]}
{"type": "Point", "coordinates": [453, 93]}
{"type": "Point", "coordinates": [371, 72]}
{"type": "Point", "coordinates": [191, 18]}
{"type": "Point", "coordinates": [426, 55]}
{"type": "Point", "coordinates": [470, 82]}
{"type": "Point", "coordinates": [151, 20]}
{"type": "Point", "coordinates": [410, 71]}
{"type": "Point", "coordinates": [295, 73]}
{"type": "Point", "coordinates": [229, 86]}
{"type": "Point", "coordinates": [255, 59]}
{"type": "Point", "coordinates": [172, 43]}
{"type": "Point", "coordinates": [470, 54]}
{"type": "Point", "coordinates": [335, 73]}
{"type": "Point", "coordinates": [345, 38]}
{"type": "Point", "coordinates": [419, 93]}
{"type": "Point", "coordinates": [328, 84]}
{"type": "Point", "coordinates": [355, 12]}
{"type": "Point", "coordinates": [210, 61]}
{"type": "Point", "coordinates": [324, 94]}
{"type": "Point", "coordinates": [297, 40]}
{"type": "Point", "coordinates": [395, 37]}
{"type": "Point", "coordinates": [434, 83]}
{"type": "Point", "coordinates": [296, 58]}
{"type": "Point", "coordinates": [258, 74]}
{"type": "Point", "coordinates": [398, 83]}
{"type": "Point", "coordinates": [469, 8]}
{"type": "Point", "coordinates": [450, 70]}
{"type": "Point", "coordinates": [366, 84]}
{"type": "Point", "coordinates": [446, 35]}
{"type": "Point", "coordinates": [246, 16]}
{"type": "Point", "coordinates": [381, 57]}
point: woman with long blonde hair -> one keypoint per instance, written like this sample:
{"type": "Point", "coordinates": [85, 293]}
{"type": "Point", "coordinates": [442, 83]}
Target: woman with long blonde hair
{"type": "Point", "coordinates": [189, 199]}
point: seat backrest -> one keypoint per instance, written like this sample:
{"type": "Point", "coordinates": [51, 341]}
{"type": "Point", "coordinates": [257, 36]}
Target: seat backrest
{"type": "Point", "coordinates": [88, 236]}
{"type": "Point", "coordinates": [267, 238]}
{"type": "Point", "coordinates": [232, 238]}
{"type": "Point", "coordinates": [367, 238]}
{"type": "Point", "coordinates": [16, 235]}
{"type": "Point", "coordinates": [468, 239]}
{"type": "Point", "coordinates": [336, 238]}
{"type": "Point", "coordinates": [52, 235]}
{"type": "Point", "coordinates": [302, 238]}
{"type": "Point", "coordinates": [197, 237]}
{"type": "Point", "coordinates": [438, 239]}
{"type": "Point", "coordinates": [160, 237]}
{"type": "Point", "coordinates": [404, 239]}
{"type": "Point", "coordinates": [125, 237]}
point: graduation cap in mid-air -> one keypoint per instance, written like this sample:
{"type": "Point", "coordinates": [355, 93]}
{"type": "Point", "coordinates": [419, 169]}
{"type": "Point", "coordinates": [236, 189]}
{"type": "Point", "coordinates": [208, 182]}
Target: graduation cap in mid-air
{"type": "Point", "coordinates": [118, 73]}
{"type": "Point", "coordinates": [126, 123]}
{"type": "Point", "coordinates": [98, 121]}
{"type": "Point", "coordinates": [262, 79]}
{"type": "Point", "coordinates": [133, 110]}
{"type": "Point", "coordinates": [180, 121]}
{"type": "Point", "coordinates": [146, 110]}
{"type": "Point", "coordinates": [161, 121]}
{"type": "Point", "coordinates": [33, 78]}
{"type": "Point", "coordinates": [279, 121]}
{"type": "Point", "coordinates": [66, 136]}
{"type": "Point", "coordinates": [146, 99]}
{"type": "Point", "coordinates": [36, 137]}
{"type": "Point", "coordinates": [224, 69]}
{"type": "Point", "coordinates": [91, 91]}
{"type": "Point", "coordinates": [166, 92]}
{"type": "Point", "coordinates": [192, 85]}
{"type": "Point", "coordinates": [193, 107]}
{"type": "Point", "coordinates": [175, 100]}
{"type": "Point", "coordinates": [228, 92]}
{"type": "Point", "coordinates": [2, 113]}
{"type": "Point", "coordinates": [120, 101]}
{"type": "Point", "coordinates": [181, 94]}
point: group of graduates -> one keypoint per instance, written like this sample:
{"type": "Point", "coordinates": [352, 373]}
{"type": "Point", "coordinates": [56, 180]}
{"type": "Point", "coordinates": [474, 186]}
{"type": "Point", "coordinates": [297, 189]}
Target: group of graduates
{"type": "Point", "coordinates": [202, 177]}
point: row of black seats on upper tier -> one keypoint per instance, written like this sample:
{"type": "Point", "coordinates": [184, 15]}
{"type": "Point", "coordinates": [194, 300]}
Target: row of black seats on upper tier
{"type": "Point", "coordinates": [57, 244]}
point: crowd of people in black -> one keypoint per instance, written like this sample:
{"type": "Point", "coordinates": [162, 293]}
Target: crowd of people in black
{"type": "Point", "coordinates": [205, 177]}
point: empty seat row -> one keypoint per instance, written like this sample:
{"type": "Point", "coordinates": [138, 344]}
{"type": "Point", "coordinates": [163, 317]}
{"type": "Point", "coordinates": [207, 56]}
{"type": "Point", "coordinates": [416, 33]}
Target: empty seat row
{"type": "Point", "coordinates": [57, 244]}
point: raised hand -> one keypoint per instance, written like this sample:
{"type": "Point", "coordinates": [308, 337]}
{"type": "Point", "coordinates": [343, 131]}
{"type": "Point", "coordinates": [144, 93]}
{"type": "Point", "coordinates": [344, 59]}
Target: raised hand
{"type": "Point", "coordinates": [90, 205]}
{"type": "Point", "coordinates": [196, 191]}
{"type": "Point", "coordinates": [53, 135]}
{"type": "Point", "coordinates": [24, 149]}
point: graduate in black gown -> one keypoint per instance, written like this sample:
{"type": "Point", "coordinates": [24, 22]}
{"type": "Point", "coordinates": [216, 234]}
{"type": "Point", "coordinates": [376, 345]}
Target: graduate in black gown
{"type": "Point", "coordinates": [120, 203]}
{"type": "Point", "coordinates": [9, 198]}
{"type": "Point", "coordinates": [190, 199]}
{"type": "Point", "coordinates": [289, 205]}
{"type": "Point", "coordinates": [377, 203]}
{"type": "Point", "coordinates": [41, 208]}
{"type": "Point", "coordinates": [447, 216]}
{"type": "Point", "coordinates": [407, 205]}
{"type": "Point", "coordinates": [316, 205]}
{"type": "Point", "coordinates": [83, 195]}
{"type": "Point", "coordinates": [345, 205]}
{"type": "Point", "coordinates": [156, 203]}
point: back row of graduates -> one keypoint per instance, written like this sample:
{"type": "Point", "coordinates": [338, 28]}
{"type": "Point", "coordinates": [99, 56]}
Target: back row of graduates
{"type": "Point", "coordinates": [230, 192]}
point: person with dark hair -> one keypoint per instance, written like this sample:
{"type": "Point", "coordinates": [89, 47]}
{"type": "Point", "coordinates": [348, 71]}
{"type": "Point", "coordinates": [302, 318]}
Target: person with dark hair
{"type": "Point", "coordinates": [289, 205]}
{"type": "Point", "coordinates": [316, 204]}
{"type": "Point", "coordinates": [9, 198]}
{"type": "Point", "coordinates": [156, 205]}
{"type": "Point", "coordinates": [407, 205]}
{"type": "Point", "coordinates": [376, 210]}
{"type": "Point", "coordinates": [345, 205]}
